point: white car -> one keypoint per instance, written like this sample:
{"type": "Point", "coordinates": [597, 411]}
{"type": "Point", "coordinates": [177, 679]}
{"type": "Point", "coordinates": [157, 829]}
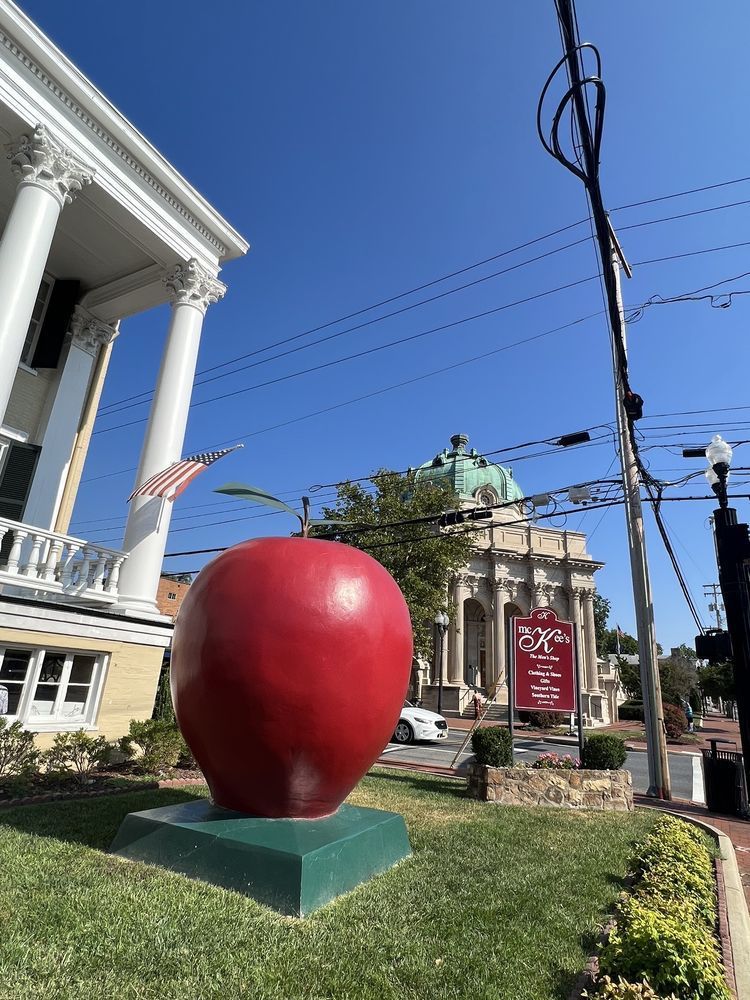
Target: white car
{"type": "Point", "coordinates": [419, 724]}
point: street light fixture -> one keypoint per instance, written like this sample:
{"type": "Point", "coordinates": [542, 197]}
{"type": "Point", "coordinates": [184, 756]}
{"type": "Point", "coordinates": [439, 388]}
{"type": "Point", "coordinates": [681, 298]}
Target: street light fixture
{"type": "Point", "coordinates": [441, 623]}
{"type": "Point", "coordinates": [719, 455]}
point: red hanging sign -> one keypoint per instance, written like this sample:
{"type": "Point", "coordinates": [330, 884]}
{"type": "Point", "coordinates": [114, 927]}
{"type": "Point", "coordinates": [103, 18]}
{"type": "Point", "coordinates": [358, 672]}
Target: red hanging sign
{"type": "Point", "coordinates": [544, 663]}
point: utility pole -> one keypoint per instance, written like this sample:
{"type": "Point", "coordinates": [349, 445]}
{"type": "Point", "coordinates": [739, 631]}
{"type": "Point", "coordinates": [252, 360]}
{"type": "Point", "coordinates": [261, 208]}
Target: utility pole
{"type": "Point", "coordinates": [713, 590]}
{"type": "Point", "coordinates": [585, 165]}
{"type": "Point", "coordinates": [648, 656]}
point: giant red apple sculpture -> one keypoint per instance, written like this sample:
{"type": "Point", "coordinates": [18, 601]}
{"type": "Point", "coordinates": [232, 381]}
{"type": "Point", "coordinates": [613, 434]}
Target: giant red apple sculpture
{"type": "Point", "coordinates": [290, 664]}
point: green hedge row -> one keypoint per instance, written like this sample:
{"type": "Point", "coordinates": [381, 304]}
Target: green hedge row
{"type": "Point", "coordinates": [664, 943]}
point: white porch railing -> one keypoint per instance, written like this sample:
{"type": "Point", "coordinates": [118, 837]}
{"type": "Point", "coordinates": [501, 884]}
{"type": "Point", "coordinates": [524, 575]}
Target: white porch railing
{"type": "Point", "coordinates": [34, 560]}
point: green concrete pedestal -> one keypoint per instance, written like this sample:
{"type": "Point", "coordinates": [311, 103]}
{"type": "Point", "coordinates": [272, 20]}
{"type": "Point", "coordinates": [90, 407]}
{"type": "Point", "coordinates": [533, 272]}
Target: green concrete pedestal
{"type": "Point", "coordinates": [292, 865]}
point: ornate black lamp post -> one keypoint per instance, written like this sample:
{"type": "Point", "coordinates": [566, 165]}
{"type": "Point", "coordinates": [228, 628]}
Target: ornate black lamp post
{"type": "Point", "coordinates": [441, 623]}
{"type": "Point", "coordinates": [733, 556]}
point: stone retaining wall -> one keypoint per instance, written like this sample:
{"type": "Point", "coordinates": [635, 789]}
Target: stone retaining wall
{"type": "Point", "coordinates": [525, 786]}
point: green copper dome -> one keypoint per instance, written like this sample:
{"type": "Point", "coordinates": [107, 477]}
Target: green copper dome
{"type": "Point", "coordinates": [470, 475]}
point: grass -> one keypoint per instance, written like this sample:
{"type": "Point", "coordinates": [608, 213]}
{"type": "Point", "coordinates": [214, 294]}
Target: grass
{"type": "Point", "coordinates": [495, 903]}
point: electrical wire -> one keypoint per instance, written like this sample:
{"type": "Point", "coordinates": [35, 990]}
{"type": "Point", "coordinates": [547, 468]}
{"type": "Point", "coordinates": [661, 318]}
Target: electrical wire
{"type": "Point", "coordinates": [144, 396]}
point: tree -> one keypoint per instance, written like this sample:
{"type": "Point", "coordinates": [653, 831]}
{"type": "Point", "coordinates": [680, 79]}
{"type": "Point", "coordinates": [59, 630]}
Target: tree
{"type": "Point", "coordinates": [628, 644]}
{"type": "Point", "coordinates": [678, 674]}
{"type": "Point", "coordinates": [630, 678]}
{"type": "Point", "coordinates": [602, 608]}
{"type": "Point", "coordinates": [419, 557]}
{"type": "Point", "coordinates": [716, 682]}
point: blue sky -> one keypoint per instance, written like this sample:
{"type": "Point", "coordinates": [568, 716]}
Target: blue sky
{"type": "Point", "coordinates": [365, 149]}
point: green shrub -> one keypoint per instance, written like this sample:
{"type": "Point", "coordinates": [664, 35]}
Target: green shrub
{"type": "Point", "coordinates": [163, 707]}
{"type": "Point", "coordinates": [674, 869]}
{"type": "Point", "coordinates": [604, 752]}
{"type": "Point", "coordinates": [630, 711]}
{"type": "Point", "coordinates": [608, 989]}
{"type": "Point", "coordinates": [544, 720]}
{"type": "Point", "coordinates": [18, 755]}
{"type": "Point", "coordinates": [673, 953]}
{"type": "Point", "coordinates": [696, 702]}
{"type": "Point", "coordinates": [675, 721]}
{"type": "Point", "coordinates": [77, 753]}
{"type": "Point", "coordinates": [185, 759]}
{"type": "Point", "coordinates": [664, 932]}
{"type": "Point", "coordinates": [493, 746]}
{"type": "Point", "coordinates": [158, 740]}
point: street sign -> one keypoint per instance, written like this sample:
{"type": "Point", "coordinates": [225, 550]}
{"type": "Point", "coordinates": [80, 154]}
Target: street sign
{"type": "Point", "coordinates": [544, 663]}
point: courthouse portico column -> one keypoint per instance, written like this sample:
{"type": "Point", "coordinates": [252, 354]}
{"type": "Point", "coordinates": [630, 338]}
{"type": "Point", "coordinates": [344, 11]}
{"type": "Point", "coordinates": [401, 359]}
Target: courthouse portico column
{"type": "Point", "coordinates": [49, 176]}
{"type": "Point", "coordinates": [574, 600]}
{"type": "Point", "coordinates": [502, 597]}
{"type": "Point", "coordinates": [460, 594]}
{"type": "Point", "coordinates": [192, 290]}
{"type": "Point", "coordinates": [592, 666]}
{"type": "Point", "coordinates": [87, 337]}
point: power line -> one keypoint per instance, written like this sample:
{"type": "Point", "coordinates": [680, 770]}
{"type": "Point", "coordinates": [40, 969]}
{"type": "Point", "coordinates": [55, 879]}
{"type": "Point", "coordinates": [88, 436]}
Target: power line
{"type": "Point", "coordinates": [113, 408]}
{"type": "Point", "coordinates": [370, 350]}
{"type": "Point", "coordinates": [143, 397]}
{"type": "Point", "coordinates": [424, 333]}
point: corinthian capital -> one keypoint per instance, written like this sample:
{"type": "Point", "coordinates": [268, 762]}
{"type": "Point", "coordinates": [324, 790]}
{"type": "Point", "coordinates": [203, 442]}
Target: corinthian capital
{"type": "Point", "coordinates": [38, 159]}
{"type": "Point", "coordinates": [90, 333]}
{"type": "Point", "coordinates": [191, 283]}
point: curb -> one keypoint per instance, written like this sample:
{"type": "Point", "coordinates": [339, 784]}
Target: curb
{"type": "Point", "coordinates": [737, 916]}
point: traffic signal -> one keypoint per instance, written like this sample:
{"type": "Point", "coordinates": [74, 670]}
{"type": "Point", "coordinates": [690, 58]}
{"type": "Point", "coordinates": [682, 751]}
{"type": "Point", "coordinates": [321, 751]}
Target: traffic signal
{"type": "Point", "coordinates": [451, 517]}
{"type": "Point", "coordinates": [714, 645]}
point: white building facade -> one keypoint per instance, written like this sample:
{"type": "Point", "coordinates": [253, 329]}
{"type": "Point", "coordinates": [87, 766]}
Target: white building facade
{"type": "Point", "coordinates": [516, 566]}
{"type": "Point", "coordinates": [95, 226]}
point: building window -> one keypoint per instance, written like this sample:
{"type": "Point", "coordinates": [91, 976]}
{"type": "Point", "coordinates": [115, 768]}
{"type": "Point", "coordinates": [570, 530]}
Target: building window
{"type": "Point", "coordinates": [37, 318]}
{"type": "Point", "coordinates": [171, 596]}
{"type": "Point", "coordinates": [50, 689]}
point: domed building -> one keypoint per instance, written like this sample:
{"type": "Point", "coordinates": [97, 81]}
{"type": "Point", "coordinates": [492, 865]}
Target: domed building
{"type": "Point", "coordinates": [516, 566]}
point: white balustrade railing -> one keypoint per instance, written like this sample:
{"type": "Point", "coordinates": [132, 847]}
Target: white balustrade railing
{"type": "Point", "coordinates": [47, 562]}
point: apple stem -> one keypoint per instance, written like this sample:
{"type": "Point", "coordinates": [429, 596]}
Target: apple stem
{"type": "Point", "coordinates": [305, 516]}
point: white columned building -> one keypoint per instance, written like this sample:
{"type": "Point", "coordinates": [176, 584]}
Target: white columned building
{"type": "Point", "coordinates": [95, 227]}
{"type": "Point", "coordinates": [192, 290]}
{"type": "Point", "coordinates": [515, 566]}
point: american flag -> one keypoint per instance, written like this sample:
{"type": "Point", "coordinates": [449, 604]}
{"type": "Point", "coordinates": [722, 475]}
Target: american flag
{"type": "Point", "coordinates": [169, 483]}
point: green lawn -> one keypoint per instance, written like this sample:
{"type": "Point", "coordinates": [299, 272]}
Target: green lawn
{"type": "Point", "coordinates": [496, 903]}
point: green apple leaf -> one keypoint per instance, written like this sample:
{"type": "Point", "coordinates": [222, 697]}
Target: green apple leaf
{"type": "Point", "coordinates": [253, 494]}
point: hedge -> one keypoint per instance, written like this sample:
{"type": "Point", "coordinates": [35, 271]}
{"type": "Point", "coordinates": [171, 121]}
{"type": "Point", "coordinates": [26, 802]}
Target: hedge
{"type": "Point", "coordinates": [493, 746]}
{"type": "Point", "coordinates": [664, 937]}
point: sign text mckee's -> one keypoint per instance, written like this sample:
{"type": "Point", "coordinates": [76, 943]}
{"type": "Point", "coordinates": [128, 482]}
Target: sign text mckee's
{"type": "Point", "coordinates": [544, 662]}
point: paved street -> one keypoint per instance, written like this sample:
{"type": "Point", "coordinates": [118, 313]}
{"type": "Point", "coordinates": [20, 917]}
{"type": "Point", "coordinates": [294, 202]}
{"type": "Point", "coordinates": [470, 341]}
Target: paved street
{"type": "Point", "coordinates": [685, 769]}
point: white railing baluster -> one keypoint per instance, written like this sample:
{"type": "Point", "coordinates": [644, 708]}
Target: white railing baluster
{"type": "Point", "coordinates": [69, 565]}
{"type": "Point", "coordinates": [15, 550]}
{"type": "Point", "coordinates": [31, 566]}
{"type": "Point", "coordinates": [58, 564]}
{"type": "Point", "coordinates": [53, 559]}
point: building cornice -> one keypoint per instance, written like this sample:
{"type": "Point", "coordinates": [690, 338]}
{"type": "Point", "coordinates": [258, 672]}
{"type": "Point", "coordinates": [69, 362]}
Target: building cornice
{"type": "Point", "coordinates": [34, 54]}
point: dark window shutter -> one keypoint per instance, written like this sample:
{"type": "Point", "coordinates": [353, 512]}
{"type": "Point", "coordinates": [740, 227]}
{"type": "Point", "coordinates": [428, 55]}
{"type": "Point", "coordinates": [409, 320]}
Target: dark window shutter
{"type": "Point", "coordinates": [15, 481]}
{"type": "Point", "coordinates": [55, 325]}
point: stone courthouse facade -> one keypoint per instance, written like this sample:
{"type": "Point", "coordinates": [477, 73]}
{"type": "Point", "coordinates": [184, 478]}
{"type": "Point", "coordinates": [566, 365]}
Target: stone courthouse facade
{"type": "Point", "coordinates": [516, 565]}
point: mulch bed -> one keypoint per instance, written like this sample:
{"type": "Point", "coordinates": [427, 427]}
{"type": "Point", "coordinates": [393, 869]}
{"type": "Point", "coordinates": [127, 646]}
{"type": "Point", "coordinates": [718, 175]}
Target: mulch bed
{"type": "Point", "coordinates": [53, 788]}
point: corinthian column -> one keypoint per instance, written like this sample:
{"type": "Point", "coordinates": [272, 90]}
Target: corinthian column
{"type": "Point", "coordinates": [502, 597]}
{"type": "Point", "coordinates": [192, 290]}
{"type": "Point", "coordinates": [49, 176]}
{"type": "Point", "coordinates": [574, 601]}
{"type": "Point", "coordinates": [592, 666]}
{"type": "Point", "coordinates": [461, 593]}
{"type": "Point", "coordinates": [87, 336]}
